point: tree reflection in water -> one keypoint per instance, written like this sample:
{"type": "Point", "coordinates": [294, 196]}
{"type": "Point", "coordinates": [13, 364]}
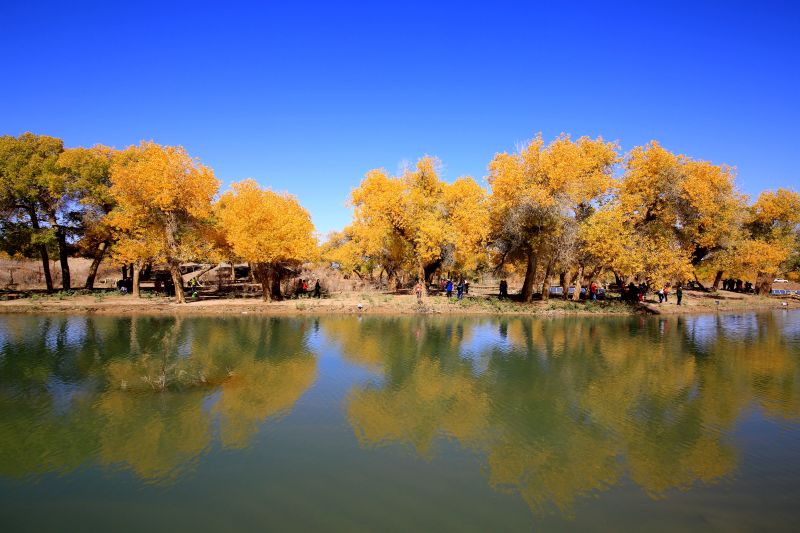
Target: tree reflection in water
{"type": "Point", "coordinates": [134, 392]}
{"type": "Point", "coordinates": [557, 410]}
{"type": "Point", "coordinates": [564, 408]}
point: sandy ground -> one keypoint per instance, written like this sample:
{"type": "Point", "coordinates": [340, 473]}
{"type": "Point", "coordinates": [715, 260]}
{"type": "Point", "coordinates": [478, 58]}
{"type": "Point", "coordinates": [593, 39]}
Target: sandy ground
{"type": "Point", "coordinates": [379, 303]}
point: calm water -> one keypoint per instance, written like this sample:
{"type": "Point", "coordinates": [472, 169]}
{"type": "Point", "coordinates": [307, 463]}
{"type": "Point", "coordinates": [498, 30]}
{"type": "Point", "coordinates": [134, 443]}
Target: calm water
{"type": "Point", "coordinates": [374, 423]}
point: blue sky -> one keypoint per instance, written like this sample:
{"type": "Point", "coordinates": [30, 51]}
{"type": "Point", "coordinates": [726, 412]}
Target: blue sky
{"type": "Point", "coordinates": [307, 97]}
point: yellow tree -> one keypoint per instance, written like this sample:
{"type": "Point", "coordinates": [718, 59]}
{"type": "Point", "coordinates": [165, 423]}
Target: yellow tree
{"type": "Point", "coordinates": [608, 242]}
{"type": "Point", "coordinates": [542, 189]}
{"type": "Point", "coordinates": [344, 252]}
{"type": "Point", "coordinates": [712, 212]}
{"type": "Point", "coordinates": [398, 218]}
{"type": "Point", "coordinates": [417, 222]}
{"type": "Point", "coordinates": [269, 230]}
{"type": "Point", "coordinates": [136, 246]}
{"type": "Point", "coordinates": [770, 236]}
{"type": "Point", "coordinates": [467, 208]}
{"type": "Point", "coordinates": [164, 189]}
{"type": "Point", "coordinates": [684, 212]}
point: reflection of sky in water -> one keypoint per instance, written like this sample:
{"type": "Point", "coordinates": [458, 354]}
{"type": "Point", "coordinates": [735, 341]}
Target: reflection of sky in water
{"type": "Point", "coordinates": [704, 330]}
{"type": "Point", "coordinates": [64, 393]}
{"type": "Point", "coordinates": [483, 339]}
{"type": "Point", "coordinates": [185, 347]}
{"type": "Point", "coordinates": [791, 325]}
{"type": "Point", "coordinates": [70, 332]}
{"type": "Point", "coordinates": [485, 336]}
{"type": "Point", "coordinates": [738, 327]}
{"type": "Point", "coordinates": [316, 341]}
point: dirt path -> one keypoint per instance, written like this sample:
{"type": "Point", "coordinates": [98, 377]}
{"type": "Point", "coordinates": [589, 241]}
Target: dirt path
{"type": "Point", "coordinates": [378, 303]}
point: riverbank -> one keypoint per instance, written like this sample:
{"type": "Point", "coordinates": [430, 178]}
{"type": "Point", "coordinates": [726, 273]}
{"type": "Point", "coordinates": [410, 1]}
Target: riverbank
{"type": "Point", "coordinates": [385, 304]}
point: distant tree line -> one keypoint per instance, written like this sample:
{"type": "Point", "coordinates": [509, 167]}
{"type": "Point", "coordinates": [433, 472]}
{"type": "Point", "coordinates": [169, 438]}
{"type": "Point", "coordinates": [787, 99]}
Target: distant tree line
{"type": "Point", "coordinates": [572, 210]}
{"type": "Point", "coordinates": [567, 209]}
{"type": "Point", "coordinates": [146, 204]}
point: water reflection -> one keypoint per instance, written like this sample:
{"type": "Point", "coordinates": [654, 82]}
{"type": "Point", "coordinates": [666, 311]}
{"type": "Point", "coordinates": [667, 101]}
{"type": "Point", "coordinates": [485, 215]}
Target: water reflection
{"type": "Point", "coordinates": [142, 393]}
{"type": "Point", "coordinates": [555, 411]}
{"type": "Point", "coordinates": [561, 409]}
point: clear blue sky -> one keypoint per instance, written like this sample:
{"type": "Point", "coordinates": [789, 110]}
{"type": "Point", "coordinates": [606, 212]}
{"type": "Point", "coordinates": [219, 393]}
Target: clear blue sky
{"type": "Point", "coordinates": [308, 97]}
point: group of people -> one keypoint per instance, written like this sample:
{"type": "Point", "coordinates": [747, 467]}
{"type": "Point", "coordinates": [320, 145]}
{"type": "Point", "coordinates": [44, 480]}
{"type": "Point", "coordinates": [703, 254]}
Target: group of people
{"type": "Point", "coordinates": [631, 292]}
{"type": "Point", "coordinates": [737, 285]}
{"type": "Point", "coordinates": [302, 289]}
{"type": "Point", "coordinates": [462, 288]}
{"type": "Point", "coordinates": [637, 293]}
{"type": "Point", "coordinates": [446, 286]}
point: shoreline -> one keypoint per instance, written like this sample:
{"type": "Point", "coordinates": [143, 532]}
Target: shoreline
{"type": "Point", "coordinates": [386, 304]}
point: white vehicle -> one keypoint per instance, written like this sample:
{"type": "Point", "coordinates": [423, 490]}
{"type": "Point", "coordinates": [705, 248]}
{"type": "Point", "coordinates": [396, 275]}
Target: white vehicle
{"type": "Point", "coordinates": [780, 281]}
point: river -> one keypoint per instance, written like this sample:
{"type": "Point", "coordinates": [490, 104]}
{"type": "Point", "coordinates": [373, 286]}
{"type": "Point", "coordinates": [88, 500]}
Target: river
{"type": "Point", "coordinates": [400, 423]}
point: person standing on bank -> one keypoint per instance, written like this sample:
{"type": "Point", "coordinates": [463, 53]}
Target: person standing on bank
{"type": "Point", "coordinates": [679, 293]}
{"type": "Point", "coordinates": [418, 291]}
{"type": "Point", "coordinates": [317, 290]}
{"type": "Point", "coordinates": [460, 289]}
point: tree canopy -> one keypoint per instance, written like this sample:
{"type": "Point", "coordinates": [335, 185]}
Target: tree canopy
{"type": "Point", "coordinates": [271, 231]}
{"type": "Point", "coordinates": [572, 209]}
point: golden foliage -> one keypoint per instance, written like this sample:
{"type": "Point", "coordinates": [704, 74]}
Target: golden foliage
{"type": "Point", "coordinates": [150, 181]}
{"type": "Point", "coordinates": [417, 220]}
{"type": "Point", "coordinates": [163, 201]}
{"type": "Point", "coordinates": [262, 226]}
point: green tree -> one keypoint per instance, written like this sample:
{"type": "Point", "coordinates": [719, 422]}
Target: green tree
{"type": "Point", "coordinates": [31, 189]}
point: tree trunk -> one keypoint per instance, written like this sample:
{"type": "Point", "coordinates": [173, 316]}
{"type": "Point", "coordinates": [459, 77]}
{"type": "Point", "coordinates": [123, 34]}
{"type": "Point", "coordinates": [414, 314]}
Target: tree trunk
{"type": "Point", "coordinates": [717, 280]}
{"type": "Point", "coordinates": [125, 271]}
{"type": "Point", "coordinates": [764, 283]}
{"type": "Point", "coordinates": [98, 257]}
{"type": "Point", "coordinates": [262, 273]}
{"type": "Point", "coordinates": [430, 270]}
{"type": "Point", "coordinates": [576, 296]}
{"type": "Point", "coordinates": [276, 282]}
{"type": "Point", "coordinates": [567, 281]}
{"type": "Point", "coordinates": [421, 275]}
{"type": "Point", "coordinates": [63, 256]}
{"type": "Point", "coordinates": [48, 280]}
{"type": "Point", "coordinates": [546, 281]}
{"type": "Point", "coordinates": [530, 276]}
{"type": "Point", "coordinates": [698, 282]}
{"type": "Point", "coordinates": [177, 280]}
{"type": "Point", "coordinates": [136, 271]}
{"type": "Point", "coordinates": [170, 230]}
